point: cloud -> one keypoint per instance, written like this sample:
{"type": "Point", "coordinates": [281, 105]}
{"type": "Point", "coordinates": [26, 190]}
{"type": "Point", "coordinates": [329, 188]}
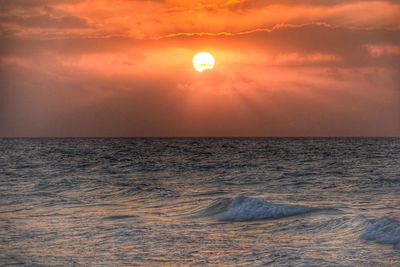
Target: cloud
{"type": "Point", "coordinates": [379, 50]}
{"type": "Point", "coordinates": [60, 100]}
{"type": "Point", "coordinates": [158, 18]}
{"type": "Point", "coordinates": [46, 21]}
{"type": "Point", "coordinates": [348, 44]}
{"type": "Point", "coordinates": [83, 87]}
{"type": "Point", "coordinates": [85, 69]}
{"type": "Point", "coordinates": [284, 44]}
{"type": "Point", "coordinates": [251, 4]}
{"type": "Point", "coordinates": [5, 4]}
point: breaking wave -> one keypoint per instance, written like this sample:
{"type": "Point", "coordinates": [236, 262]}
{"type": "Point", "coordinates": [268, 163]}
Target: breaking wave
{"type": "Point", "coordinates": [242, 208]}
{"type": "Point", "coordinates": [385, 230]}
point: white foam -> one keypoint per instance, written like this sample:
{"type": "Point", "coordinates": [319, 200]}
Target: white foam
{"type": "Point", "coordinates": [242, 208]}
{"type": "Point", "coordinates": [385, 230]}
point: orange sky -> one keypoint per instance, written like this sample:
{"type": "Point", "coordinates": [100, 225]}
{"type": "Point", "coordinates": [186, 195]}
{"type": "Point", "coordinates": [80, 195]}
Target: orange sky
{"type": "Point", "coordinates": [123, 68]}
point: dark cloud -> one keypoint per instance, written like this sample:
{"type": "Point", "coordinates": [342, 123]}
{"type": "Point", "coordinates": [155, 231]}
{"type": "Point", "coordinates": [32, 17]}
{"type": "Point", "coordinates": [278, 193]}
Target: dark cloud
{"type": "Point", "coordinates": [35, 102]}
{"type": "Point", "coordinates": [251, 4]}
{"type": "Point", "coordinates": [45, 21]}
{"type": "Point", "coordinates": [33, 3]}
{"type": "Point", "coordinates": [11, 46]}
{"type": "Point", "coordinates": [19, 15]}
{"type": "Point", "coordinates": [41, 94]}
{"type": "Point", "coordinates": [347, 43]}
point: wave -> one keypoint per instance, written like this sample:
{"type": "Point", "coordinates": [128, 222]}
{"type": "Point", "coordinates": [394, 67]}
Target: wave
{"type": "Point", "coordinates": [385, 230]}
{"type": "Point", "coordinates": [242, 208]}
{"type": "Point", "coordinates": [120, 217]}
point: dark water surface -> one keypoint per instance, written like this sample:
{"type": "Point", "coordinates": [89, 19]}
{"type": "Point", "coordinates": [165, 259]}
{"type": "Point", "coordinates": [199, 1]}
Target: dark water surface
{"type": "Point", "coordinates": [241, 202]}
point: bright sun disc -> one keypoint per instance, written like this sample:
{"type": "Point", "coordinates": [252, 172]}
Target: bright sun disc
{"type": "Point", "coordinates": [203, 61]}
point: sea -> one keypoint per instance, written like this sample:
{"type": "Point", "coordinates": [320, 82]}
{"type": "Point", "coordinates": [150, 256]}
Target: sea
{"type": "Point", "coordinates": [200, 202]}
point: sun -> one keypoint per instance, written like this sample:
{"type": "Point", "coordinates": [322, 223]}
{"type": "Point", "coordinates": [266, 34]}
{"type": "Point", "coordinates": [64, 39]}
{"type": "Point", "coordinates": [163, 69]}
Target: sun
{"type": "Point", "coordinates": [203, 61]}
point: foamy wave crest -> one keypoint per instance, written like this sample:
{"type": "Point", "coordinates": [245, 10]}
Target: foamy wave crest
{"type": "Point", "coordinates": [242, 208]}
{"type": "Point", "coordinates": [385, 230]}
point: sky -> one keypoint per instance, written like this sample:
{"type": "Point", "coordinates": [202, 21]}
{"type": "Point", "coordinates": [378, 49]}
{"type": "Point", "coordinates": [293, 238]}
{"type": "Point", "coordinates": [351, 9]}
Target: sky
{"type": "Point", "coordinates": [87, 68]}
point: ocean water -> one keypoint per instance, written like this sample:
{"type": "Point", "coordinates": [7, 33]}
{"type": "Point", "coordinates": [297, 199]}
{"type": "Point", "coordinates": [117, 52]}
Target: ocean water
{"type": "Point", "coordinates": [200, 201]}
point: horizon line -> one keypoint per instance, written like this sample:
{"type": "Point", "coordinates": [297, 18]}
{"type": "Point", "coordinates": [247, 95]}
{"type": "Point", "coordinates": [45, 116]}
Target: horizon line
{"type": "Point", "coordinates": [191, 137]}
